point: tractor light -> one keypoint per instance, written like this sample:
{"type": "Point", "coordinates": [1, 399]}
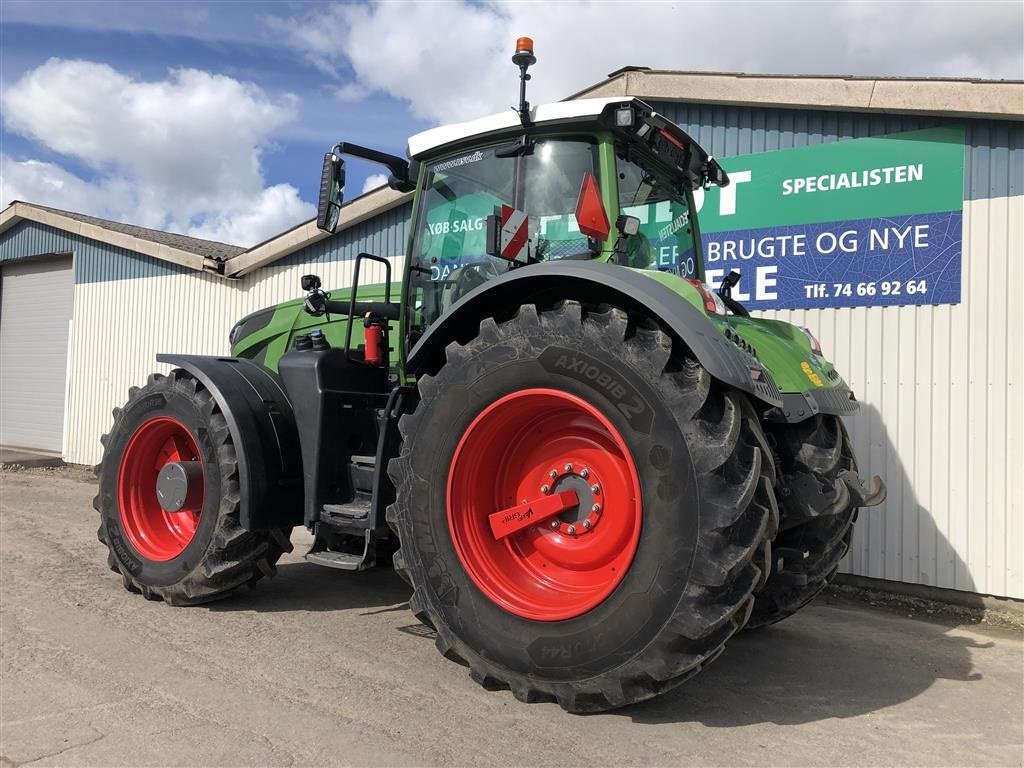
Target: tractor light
{"type": "Point", "coordinates": [624, 117]}
{"type": "Point", "coordinates": [627, 225]}
{"type": "Point", "coordinates": [815, 346]}
{"type": "Point", "coordinates": [712, 304]}
{"type": "Point", "coordinates": [524, 52]}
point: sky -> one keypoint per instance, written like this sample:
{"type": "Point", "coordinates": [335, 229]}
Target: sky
{"type": "Point", "coordinates": [211, 118]}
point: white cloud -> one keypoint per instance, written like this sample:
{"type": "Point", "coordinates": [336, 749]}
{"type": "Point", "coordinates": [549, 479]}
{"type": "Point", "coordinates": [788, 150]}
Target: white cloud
{"type": "Point", "coordinates": [49, 184]}
{"type": "Point", "coordinates": [274, 210]}
{"type": "Point", "coordinates": [181, 153]}
{"type": "Point", "coordinates": [407, 51]}
{"type": "Point", "coordinates": [373, 181]}
{"type": "Point", "coordinates": [351, 92]}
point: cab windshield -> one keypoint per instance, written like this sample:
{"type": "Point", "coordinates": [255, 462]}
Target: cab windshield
{"type": "Point", "coordinates": [449, 256]}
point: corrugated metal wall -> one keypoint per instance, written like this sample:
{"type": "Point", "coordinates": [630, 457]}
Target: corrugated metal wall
{"type": "Point", "coordinates": [942, 418]}
{"type": "Point", "coordinates": [940, 386]}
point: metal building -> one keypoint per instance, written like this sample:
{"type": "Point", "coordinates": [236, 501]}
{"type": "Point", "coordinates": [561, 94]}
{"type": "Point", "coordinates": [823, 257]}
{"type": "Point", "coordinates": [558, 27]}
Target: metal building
{"type": "Point", "coordinates": [86, 303]}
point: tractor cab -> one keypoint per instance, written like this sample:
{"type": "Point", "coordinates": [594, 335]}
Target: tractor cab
{"type": "Point", "coordinates": [605, 180]}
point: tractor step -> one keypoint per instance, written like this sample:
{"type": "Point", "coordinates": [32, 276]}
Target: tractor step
{"type": "Point", "coordinates": [354, 511]}
{"type": "Point", "coordinates": [321, 553]}
{"type": "Point", "coordinates": [343, 560]}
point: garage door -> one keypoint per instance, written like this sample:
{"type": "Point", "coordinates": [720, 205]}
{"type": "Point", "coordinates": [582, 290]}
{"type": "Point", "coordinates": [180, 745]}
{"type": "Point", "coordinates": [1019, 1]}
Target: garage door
{"type": "Point", "coordinates": [36, 299]}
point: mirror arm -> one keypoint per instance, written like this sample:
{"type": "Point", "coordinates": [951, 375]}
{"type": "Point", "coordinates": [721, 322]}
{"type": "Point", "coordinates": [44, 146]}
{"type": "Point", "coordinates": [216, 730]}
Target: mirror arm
{"type": "Point", "coordinates": [398, 166]}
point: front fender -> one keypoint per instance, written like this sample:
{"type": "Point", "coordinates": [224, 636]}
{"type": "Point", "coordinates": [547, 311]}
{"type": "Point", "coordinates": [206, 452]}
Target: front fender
{"type": "Point", "coordinates": [262, 426]}
{"type": "Point", "coordinates": [596, 283]}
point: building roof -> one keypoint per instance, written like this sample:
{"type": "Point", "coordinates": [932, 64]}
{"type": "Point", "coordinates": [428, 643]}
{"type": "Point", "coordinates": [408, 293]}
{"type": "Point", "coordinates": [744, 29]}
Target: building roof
{"type": "Point", "coordinates": [355, 211]}
{"type": "Point", "coordinates": [187, 251]}
{"type": "Point", "coordinates": [952, 97]}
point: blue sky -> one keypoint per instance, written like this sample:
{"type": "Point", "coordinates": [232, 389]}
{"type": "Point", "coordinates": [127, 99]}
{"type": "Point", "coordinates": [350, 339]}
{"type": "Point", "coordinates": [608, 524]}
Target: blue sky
{"type": "Point", "coordinates": [211, 118]}
{"type": "Point", "coordinates": [381, 120]}
{"type": "Point", "coordinates": [146, 41]}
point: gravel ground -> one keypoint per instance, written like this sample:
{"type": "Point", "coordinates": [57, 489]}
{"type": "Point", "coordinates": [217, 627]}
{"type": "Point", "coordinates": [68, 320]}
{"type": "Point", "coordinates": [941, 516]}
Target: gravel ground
{"type": "Point", "coordinates": [323, 667]}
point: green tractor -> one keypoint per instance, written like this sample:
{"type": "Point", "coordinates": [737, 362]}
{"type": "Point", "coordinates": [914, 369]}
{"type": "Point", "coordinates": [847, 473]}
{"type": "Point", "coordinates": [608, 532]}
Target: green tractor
{"type": "Point", "coordinates": [591, 468]}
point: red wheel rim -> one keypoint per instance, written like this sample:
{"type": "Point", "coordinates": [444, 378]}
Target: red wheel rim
{"type": "Point", "coordinates": [524, 449]}
{"type": "Point", "coordinates": [155, 533]}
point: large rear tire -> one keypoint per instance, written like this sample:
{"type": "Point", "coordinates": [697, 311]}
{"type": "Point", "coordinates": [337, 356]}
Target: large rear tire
{"type": "Point", "coordinates": [199, 552]}
{"type": "Point", "coordinates": [818, 515]}
{"type": "Point", "coordinates": [639, 585]}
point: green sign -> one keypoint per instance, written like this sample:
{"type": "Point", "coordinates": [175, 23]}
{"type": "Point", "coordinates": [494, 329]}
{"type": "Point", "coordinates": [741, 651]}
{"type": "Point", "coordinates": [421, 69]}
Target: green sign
{"type": "Point", "coordinates": [899, 174]}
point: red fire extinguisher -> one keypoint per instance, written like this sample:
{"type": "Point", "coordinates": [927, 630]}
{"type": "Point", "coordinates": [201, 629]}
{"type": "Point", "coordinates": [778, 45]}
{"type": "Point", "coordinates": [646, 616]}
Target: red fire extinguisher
{"type": "Point", "coordinates": [373, 339]}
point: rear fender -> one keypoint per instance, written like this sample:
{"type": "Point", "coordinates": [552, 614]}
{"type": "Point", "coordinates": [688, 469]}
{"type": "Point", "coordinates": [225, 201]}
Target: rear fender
{"type": "Point", "coordinates": [596, 283]}
{"type": "Point", "coordinates": [262, 426]}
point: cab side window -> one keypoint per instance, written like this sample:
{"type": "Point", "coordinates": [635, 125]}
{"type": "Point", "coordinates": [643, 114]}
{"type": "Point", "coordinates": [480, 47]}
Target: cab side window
{"type": "Point", "coordinates": [665, 241]}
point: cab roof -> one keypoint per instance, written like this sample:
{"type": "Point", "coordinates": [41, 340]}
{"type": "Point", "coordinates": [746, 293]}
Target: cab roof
{"type": "Point", "coordinates": [426, 142]}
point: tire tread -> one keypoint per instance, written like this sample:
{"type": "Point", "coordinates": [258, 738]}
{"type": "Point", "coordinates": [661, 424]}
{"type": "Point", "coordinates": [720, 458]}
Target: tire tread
{"type": "Point", "coordinates": [235, 557]}
{"type": "Point", "coordinates": [726, 448]}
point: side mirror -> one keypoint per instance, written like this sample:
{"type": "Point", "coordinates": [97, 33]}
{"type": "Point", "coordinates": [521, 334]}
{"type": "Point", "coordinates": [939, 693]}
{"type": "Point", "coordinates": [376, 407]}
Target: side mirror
{"type": "Point", "coordinates": [715, 174]}
{"type": "Point", "coordinates": [332, 192]}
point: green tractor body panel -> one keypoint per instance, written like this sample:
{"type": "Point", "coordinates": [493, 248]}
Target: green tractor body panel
{"type": "Point", "coordinates": [783, 348]}
{"type": "Point", "coordinates": [266, 335]}
{"type": "Point", "coordinates": [786, 351]}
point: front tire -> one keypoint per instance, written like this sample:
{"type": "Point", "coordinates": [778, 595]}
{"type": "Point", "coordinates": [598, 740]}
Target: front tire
{"type": "Point", "coordinates": [818, 515]}
{"type": "Point", "coordinates": [198, 552]}
{"type": "Point", "coordinates": [614, 612]}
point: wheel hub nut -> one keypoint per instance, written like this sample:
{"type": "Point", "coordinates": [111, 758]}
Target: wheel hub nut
{"type": "Point", "coordinates": [179, 485]}
{"type": "Point", "coordinates": [567, 473]}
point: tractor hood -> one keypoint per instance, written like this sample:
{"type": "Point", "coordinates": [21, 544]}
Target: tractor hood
{"type": "Point", "coordinates": [265, 335]}
{"type": "Point", "coordinates": [786, 351]}
{"type": "Point", "coordinates": [809, 383]}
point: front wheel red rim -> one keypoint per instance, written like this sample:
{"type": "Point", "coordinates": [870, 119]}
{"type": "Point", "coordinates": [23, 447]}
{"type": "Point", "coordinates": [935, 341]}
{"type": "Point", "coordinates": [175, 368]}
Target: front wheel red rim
{"type": "Point", "coordinates": [556, 467]}
{"type": "Point", "coordinates": [155, 533]}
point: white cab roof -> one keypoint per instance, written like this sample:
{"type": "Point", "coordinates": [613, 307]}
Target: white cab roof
{"type": "Point", "coordinates": [423, 142]}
